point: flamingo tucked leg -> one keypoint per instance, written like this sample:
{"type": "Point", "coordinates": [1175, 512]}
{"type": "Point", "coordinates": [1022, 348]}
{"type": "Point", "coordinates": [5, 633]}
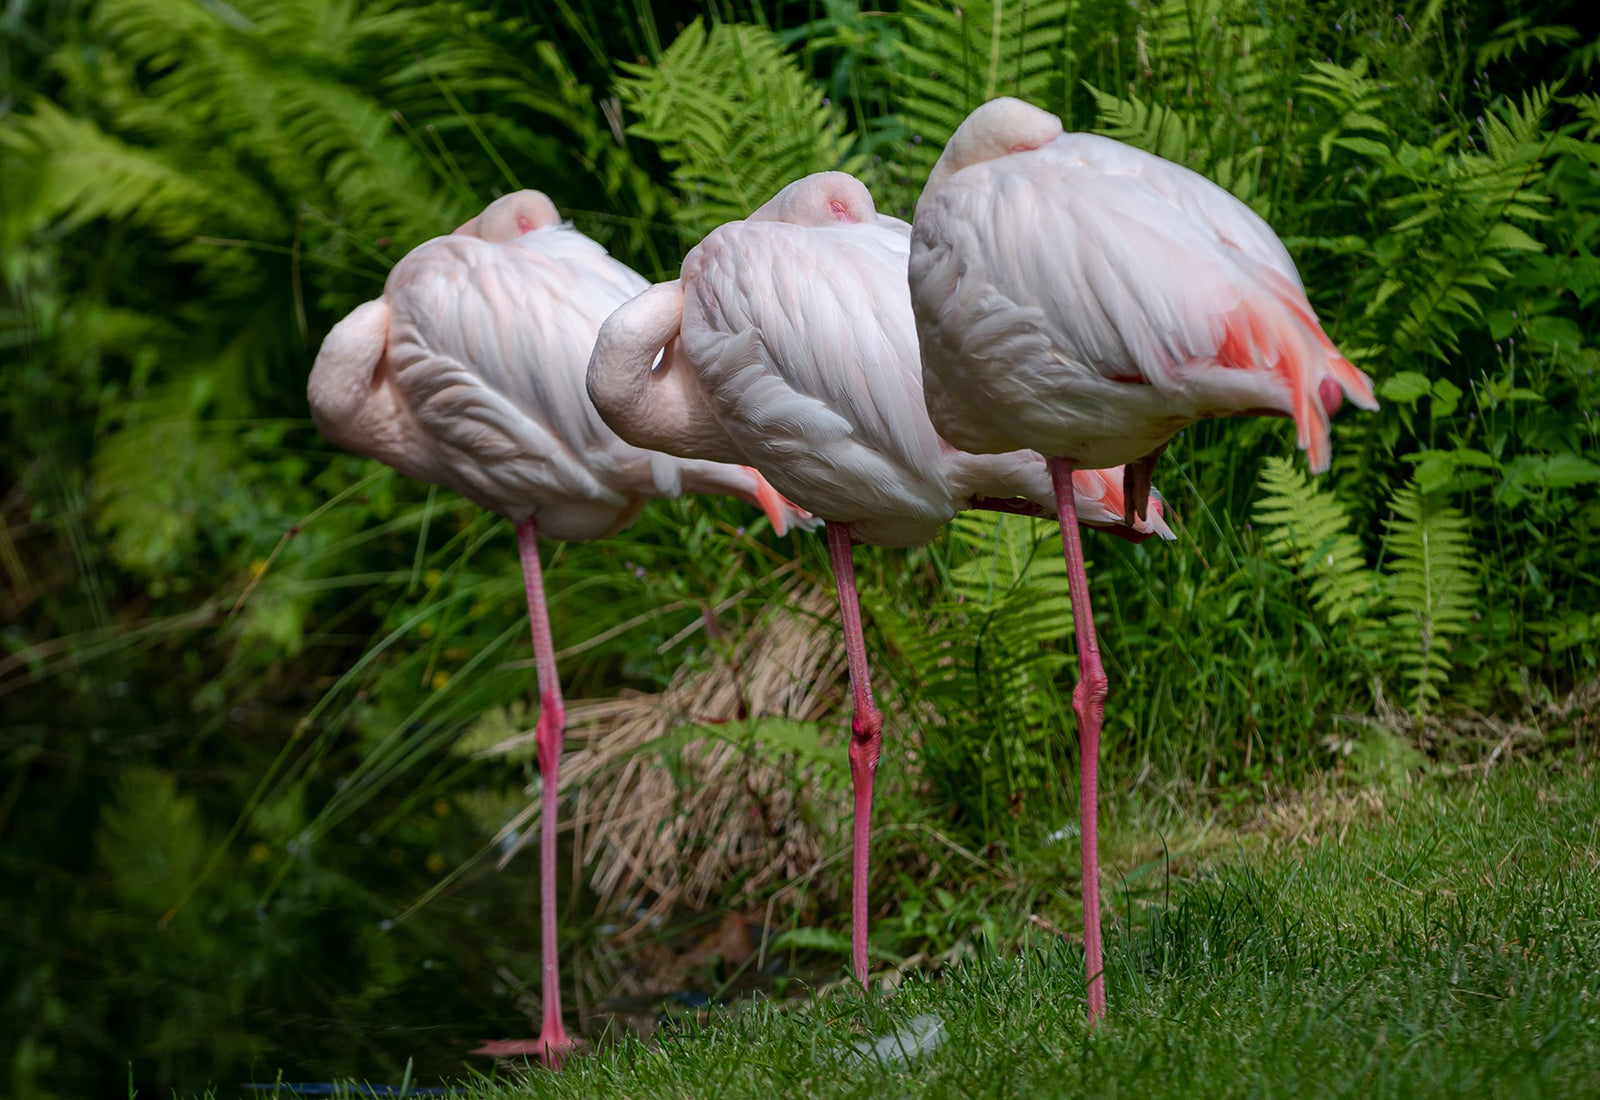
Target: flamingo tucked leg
{"type": "Point", "coordinates": [552, 1046]}
{"type": "Point", "coordinates": [1089, 704]}
{"type": "Point", "coordinates": [866, 737]}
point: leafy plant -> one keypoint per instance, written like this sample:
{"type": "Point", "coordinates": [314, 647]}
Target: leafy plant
{"type": "Point", "coordinates": [735, 116]}
{"type": "Point", "coordinates": [1305, 526]}
{"type": "Point", "coordinates": [956, 57]}
{"type": "Point", "coordinates": [1430, 587]}
{"type": "Point", "coordinates": [983, 663]}
{"type": "Point", "coordinates": [216, 629]}
{"type": "Point", "coordinates": [1433, 587]}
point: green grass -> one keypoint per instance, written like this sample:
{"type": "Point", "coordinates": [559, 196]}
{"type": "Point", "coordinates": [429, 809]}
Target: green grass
{"type": "Point", "coordinates": [1447, 945]}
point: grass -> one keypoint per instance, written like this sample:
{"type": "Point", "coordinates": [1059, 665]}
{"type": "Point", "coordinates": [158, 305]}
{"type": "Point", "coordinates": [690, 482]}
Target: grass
{"type": "Point", "coordinates": [1442, 939]}
{"type": "Point", "coordinates": [1444, 942]}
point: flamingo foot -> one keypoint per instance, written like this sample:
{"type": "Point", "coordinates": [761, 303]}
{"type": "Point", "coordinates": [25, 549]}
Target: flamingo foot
{"type": "Point", "coordinates": [551, 1051]}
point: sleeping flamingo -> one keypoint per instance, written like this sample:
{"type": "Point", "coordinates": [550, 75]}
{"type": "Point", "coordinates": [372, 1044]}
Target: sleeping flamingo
{"type": "Point", "coordinates": [1087, 300]}
{"type": "Point", "coordinates": [788, 343]}
{"type": "Point", "coordinates": [469, 373]}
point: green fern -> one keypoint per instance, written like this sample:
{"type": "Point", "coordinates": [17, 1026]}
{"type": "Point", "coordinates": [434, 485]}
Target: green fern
{"type": "Point", "coordinates": [812, 747]}
{"type": "Point", "coordinates": [735, 116]}
{"type": "Point", "coordinates": [1433, 590]}
{"type": "Point", "coordinates": [1013, 588]}
{"type": "Point", "coordinates": [1350, 101]}
{"type": "Point", "coordinates": [1208, 89]}
{"type": "Point", "coordinates": [1457, 225]}
{"type": "Point", "coordinates": [1429, 589]}
{"type": "Point", "coordinates": [80, 173]}
{"type": "Point", "coordinates": [256, 160]}
{"type": "Point", "coordinates": [1307, 528]}
{"type": "Point", "coordinates": [151, 841]}
{"type": "Point", "coordinates": [961, 56]}
{"type": "Point", "coordinates": [1177, 135]}
{"type": "Point", "coordinates": [1164, 131]}
{"type": "Point", "coordinates": [986, 661]}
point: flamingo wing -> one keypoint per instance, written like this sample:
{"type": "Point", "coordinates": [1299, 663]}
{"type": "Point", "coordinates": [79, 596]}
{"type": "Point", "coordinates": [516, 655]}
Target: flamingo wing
{"type": "Point", "coordinates": [1229, 219]}
{"type": "Point", "coordinates": [488, 346]}
{"type": "Point", "coordinates": [1087, 266]}
{"type": "Point", "coordinates": [538, 301]}
{"type": "Point", "coordinates": [803, 339]}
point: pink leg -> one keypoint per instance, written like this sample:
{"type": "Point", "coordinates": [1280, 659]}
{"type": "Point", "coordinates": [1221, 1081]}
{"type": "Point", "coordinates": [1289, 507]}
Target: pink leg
{"type": "Point", "coordinates": [1089, 704]}
{"type": "Point", "coordinates": [866, 736]}
{"type": "Point", "coordinates": [552, 1046]}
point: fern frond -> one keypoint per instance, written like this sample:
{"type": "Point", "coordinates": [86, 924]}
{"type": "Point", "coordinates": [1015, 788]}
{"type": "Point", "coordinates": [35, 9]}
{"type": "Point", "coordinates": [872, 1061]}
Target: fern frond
{"type": "Point", "coordinates": [383, 186]}
{"type": "Point", "coordinates": [1307, 528]}
{"type": "Point", "coordinates": [81, 173]}
{"type": "Point", "coordinates": [151, 841]}
{"type": "Point", "coordinates": [1455, 229]}
{"type": "Point", "coordinates": [987, 658]}
{"type": "Point", "coordinates": [737, 118]}
{"type": "Point", "coordinates": [1155, 129]}
{"type": "Point", "coordinates": [959, 57]}
{"type": "Point", "coordinates": [1016, 580]}
{"type": "Point", "coordinates": [1433, 588]}
{"type": "Point", "coordinates": [1201, 50]}
{"type": "Point", "coordinates": [1351, 103]}
{"type": "Point", "coordinates": [1010, 598]}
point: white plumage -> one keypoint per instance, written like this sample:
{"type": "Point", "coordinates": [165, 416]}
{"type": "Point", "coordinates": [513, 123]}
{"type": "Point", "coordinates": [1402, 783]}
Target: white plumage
{"type": "Point", "coordinates": [1087, 300]}
{"type": "Point", "coordinates": [469, 373]}
{"type": "Point", "coordinates": [789, 343]}
{"type": "Point", "coordinates": [1082, 298]}
{"type": "Point", "coordinates": [796, 341]}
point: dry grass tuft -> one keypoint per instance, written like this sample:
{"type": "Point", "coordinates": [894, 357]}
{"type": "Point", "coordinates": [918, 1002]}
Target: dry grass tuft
{"type": "Point", "coordinates": [1324, 810]}
{"type": "Point", "coordinates": [668, 818]}
{"type": "Point", "coordinates": [1471, 740]}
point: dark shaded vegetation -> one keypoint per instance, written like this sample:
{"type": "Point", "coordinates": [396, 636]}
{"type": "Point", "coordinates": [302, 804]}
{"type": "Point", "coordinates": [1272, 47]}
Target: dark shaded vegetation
{"type": "Point", "coordinates": [235, 662]}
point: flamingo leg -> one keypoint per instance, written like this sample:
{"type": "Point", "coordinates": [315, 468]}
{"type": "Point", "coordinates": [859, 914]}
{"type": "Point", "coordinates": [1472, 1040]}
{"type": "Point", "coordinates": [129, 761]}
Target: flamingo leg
{"type": "Point", "coordinates": [1089, 704]}
{"type": "Point", "coordinates": [866, 738]}
{"type": "Point", "coordinates": [553, 1045]}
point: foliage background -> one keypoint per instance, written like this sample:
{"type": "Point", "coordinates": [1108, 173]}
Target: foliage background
{"type": "Point", "coordinates": [235, 662]}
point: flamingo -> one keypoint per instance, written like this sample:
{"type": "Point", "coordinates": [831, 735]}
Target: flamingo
{"type": "Point", "coordinates": [469, 373]}
{"type": "Point", "coordinates": [1087, 300]}
{"type": "Point", "coordinates": [788, 343]}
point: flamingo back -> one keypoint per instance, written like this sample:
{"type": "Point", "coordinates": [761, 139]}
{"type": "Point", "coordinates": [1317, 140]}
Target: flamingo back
{"type": "Point", "coordinates": [1089, 300]}
{"type": "Point", "coordinates": [469, 373]}
{"type": "Point", "coordinates": [803, 340]}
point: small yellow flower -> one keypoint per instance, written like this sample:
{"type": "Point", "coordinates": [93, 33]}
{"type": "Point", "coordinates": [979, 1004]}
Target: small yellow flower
{"type": "Point", "coordinates": [425, 631]}
{"type": "Point", "coordinates": [440, 679]}
{"type": "Point", "coordinates": [434, 863]}
{"type": "Point", "coordinates": [259, 852]}
{"type": "Point", "coordinates": [432, 578]}
{"type": "Point", "coordinates": [258, 567]}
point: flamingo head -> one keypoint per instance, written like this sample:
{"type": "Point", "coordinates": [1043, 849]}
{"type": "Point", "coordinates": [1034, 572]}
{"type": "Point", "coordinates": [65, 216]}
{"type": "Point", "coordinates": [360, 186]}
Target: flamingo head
{"type": "Point", "coordinates": [510, 216]}
{"type": "Point", "coordinates": [998, 128]}
{"type": "Point", "coordinates": [820, 199]}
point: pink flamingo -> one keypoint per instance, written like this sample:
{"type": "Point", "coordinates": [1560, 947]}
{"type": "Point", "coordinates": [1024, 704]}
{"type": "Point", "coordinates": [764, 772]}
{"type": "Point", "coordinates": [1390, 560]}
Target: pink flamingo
{"type": "Point", "coordinates": [788, 343]}
{"type": "Point", "coordinates": [1079, 297]}
{"type": "Point", "coordinates": [469, 373]}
